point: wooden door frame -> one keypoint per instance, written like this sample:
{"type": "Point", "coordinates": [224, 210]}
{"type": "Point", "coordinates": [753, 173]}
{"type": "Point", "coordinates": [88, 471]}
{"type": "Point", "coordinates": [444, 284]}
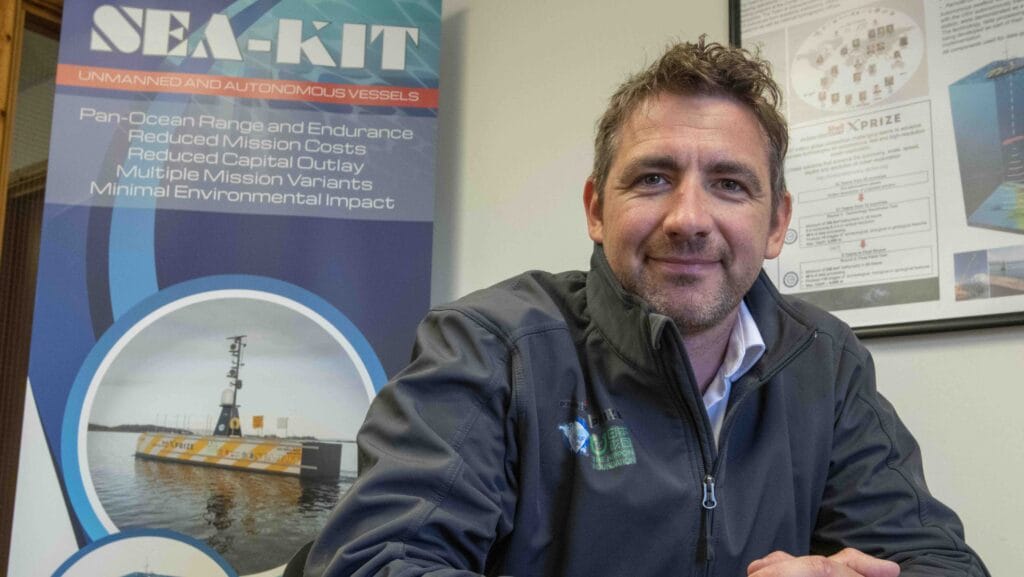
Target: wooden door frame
{"type": "Point", "coordinates": [16, 16]}
{"type": "Point", "coordinates": [41, 16]}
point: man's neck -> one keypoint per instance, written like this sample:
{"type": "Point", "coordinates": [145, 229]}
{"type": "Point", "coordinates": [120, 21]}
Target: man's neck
{"type": "Point", "coordinates": [706, 350]}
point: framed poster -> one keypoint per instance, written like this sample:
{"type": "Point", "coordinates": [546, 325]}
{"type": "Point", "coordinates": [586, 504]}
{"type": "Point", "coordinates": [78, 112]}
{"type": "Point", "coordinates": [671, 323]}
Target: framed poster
{"type": "Point", "coordinates": [906, 157]}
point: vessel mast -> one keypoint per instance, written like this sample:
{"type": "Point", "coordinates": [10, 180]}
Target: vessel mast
{"type": "Point", "coordinates": [229, 424]}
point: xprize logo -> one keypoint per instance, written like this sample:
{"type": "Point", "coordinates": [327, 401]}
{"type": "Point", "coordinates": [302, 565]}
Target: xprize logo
{"type": "Point", "coordinates": [154, 32]}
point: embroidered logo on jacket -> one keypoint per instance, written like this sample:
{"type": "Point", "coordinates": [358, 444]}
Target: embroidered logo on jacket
{"type": "Point", "coordinates": [602, 437]}
{"type": "Point", "coordinates": [612, 448]}
{"type": "Point", "coordinates": [577, 434]}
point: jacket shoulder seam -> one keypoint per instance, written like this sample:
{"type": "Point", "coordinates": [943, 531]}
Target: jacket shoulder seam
{"type": "Point", "coordinates": [537, 330]}
{"type": "Point", "coordinates": [480, 320]}
{"type": "Point", "coordinates": [508, 338]}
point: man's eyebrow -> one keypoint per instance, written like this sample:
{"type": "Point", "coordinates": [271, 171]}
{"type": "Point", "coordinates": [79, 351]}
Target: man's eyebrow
{"type": "Point", "coordinates": [657, 162]}
{"type": "Point", "coordinates": [738, 169]}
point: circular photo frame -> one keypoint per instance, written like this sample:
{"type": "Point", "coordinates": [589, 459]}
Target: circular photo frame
{"type": "Point", "coordinates": [163, 370]}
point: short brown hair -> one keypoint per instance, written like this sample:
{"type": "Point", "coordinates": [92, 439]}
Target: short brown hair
{"type": "Point", "coordinates": [699, 68]}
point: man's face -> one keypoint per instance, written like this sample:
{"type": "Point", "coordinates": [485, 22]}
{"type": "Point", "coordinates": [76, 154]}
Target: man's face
{"type": "Point", "coordinates": [686, 218]}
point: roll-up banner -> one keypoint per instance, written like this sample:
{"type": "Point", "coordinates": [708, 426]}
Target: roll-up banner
{"type": "Point", "coordinates": [235, 253]}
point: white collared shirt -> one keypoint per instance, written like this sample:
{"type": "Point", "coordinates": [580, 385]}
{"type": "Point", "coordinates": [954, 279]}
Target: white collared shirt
{"type": "Point", "coordinates": [744, 349]}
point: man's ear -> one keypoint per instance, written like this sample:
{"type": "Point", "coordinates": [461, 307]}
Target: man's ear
{"type": "Point", "coordinates": [780, 224]}
{"type": "Point", "coordinates": [592, 206]}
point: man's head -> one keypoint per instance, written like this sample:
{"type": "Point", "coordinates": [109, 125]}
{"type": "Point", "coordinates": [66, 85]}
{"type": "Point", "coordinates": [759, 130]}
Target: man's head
{"type": "Point", "coordinates": [687, 194]}
{"type": "Point", "coordinates": [699, 69]}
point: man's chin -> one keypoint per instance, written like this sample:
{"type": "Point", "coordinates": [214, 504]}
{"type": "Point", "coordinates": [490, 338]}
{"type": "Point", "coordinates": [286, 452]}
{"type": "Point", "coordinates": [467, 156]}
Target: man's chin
{"type": "Point", "coordinates": [691, 313]}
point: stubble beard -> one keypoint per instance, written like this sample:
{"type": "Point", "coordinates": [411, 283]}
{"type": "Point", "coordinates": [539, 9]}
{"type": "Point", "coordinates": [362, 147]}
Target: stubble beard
{"type": "Point", "coordinates": [693, 314]}
{"type": "Point", "coordinates": [696, 310]}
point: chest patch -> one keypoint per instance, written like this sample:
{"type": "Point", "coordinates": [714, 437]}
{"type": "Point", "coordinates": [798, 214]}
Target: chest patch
{"type": "Point", "coordinates": [612, 448]}
{"type": "Point", "coordinates": [577, 435]}
{"type": "Point", "coordinates": [603, 438]}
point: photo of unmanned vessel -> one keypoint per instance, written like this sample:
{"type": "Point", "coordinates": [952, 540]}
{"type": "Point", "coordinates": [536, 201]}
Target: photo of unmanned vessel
{"type": "Point", "coordinates": [253, 474]}
{"type": "Point", "coordinates": [227, 447]}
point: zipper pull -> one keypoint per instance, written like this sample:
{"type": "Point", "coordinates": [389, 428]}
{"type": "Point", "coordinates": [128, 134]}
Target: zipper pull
{"type": "Point", "coordinates": [709, 502]}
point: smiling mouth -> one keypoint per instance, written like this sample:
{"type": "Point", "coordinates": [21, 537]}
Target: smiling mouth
{"type": "Point", "coordinates": [686, 266]}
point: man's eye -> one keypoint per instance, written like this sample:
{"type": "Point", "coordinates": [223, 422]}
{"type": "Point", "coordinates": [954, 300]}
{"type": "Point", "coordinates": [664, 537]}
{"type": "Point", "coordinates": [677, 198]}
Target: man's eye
{"type": "Point", "coordinates": [731, 185]}
{"type": "Point", "coordinates": [651, 180]}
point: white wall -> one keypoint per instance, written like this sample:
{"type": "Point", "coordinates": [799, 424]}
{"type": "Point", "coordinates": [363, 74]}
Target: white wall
{"type": "Point", "coordinates": [523, 83]}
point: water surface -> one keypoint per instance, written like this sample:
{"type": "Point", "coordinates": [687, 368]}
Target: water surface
{"type": "Point", "coordinates": [256, 521]}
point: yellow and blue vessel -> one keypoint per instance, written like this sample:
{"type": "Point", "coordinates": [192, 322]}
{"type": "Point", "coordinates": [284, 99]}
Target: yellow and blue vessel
{"type": "Point", "coordinates": [227, 447]}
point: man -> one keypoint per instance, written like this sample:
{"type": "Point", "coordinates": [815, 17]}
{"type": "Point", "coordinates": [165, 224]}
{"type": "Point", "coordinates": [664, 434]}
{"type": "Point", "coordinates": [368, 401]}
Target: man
{"type": "Point", "coordinates": [665, 413]}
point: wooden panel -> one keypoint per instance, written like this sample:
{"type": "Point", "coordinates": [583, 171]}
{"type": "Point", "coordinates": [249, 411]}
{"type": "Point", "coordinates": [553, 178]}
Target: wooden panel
{"type": "Point", "coordinates": [12, 19]}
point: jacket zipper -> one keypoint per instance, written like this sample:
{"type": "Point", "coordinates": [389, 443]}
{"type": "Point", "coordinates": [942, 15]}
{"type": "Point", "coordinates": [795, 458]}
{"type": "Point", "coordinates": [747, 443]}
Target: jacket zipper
{"type": "Point", "coordinates": [705, 552]}
{"type": "Point", "coordinates": [709, 465]}
{"type": "Point", "coordinates": [710, 499]}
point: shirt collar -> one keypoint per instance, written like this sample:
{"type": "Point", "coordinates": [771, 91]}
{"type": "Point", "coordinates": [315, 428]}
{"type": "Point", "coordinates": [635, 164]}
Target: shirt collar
{"type": "Point", "coordinates": [745, 345]}
{"type": "Point", "coordinates": [744, 350]}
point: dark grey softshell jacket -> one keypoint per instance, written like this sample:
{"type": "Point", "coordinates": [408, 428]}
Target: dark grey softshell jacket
{"type": "Point", "coordinates": [549, 426]}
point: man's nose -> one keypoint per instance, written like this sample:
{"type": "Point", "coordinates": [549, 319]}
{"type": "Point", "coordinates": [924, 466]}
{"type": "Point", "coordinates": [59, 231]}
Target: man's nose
{"type": "Point", "coordinates": [688, 213]}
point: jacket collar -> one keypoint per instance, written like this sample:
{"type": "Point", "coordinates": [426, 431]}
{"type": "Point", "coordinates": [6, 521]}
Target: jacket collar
{"type": "Point", "coordinates": [628, 323]}
{"type": "Point", "coordinates": [635, 330]}
{"type": "Point", "coordinates": [783, 328]}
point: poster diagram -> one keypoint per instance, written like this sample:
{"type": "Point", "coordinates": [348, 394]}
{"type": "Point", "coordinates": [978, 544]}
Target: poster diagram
{"type": "Point", "coordinates": [988, 119]}
{"type": "Point", "coordinates": [859, 58]}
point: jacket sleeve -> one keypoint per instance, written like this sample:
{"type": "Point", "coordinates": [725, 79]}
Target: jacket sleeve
{"type": "Point", "coordinates": [435, 488]}
{"type": "Point", "coordinates": [876, 499]}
